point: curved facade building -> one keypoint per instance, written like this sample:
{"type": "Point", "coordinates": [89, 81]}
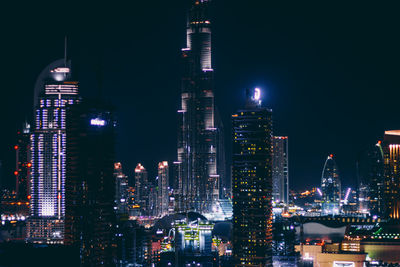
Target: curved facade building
{"type": "Point", "coordinates": [54, 92]}
{"type": "Point", "coordinates": [330, 187]}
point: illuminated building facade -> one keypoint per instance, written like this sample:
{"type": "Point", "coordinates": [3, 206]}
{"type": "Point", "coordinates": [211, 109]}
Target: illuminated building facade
{"type": "Point", "coordinates": [142, 189]}
{"type": "Point", "coordinates": [163, 192]}
{"type": "Point", "coordinates": [330, 187]}
{"type": "Point", "coordinates": [54, 92]}
{"type": "Point", "coordinates": [90, 184]}
{"type": "Point", "coordinates": [252, 183]}
{"type": "Point", "coordinates": [199, 135]}
{"type": "Point", "coordinates": [194, 237]}
{"type": "Point", "coordinates": [280, 169]}
{"type": "Point", "coordinates": [121, 189]}
{"type": "Point", "coordinates": [391, 153]}
{"type": "Point", "coordinates": [23, 163]}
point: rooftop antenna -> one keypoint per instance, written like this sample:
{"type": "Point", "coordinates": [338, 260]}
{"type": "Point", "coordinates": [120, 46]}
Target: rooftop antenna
{"type": "Point", "coordinates": [65, 51]}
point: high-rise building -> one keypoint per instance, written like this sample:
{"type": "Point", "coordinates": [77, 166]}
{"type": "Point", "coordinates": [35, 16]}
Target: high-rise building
{"type": "Point", "coordinates": [90, 184]}
{"type": "Point", "coordinates": [121, 189]}
{"type": "Point", "coordinates": [163, 184]}
{"type": "Point", "coordinates": [330, 187]}
{"type": "Point", "coordinates": [391, 190]}
{"type": "Point", "coordinates": [252, 183]}
{"type": "Point", "coordinates": [280, 169]}
{"type": "Point", "coordinates": [23, 163]}
{"type": "Point", "coordinates": [54, 92]}
{"type": "Point", "coordinates": [370, 170]}
{"type": "Point", "coordinates": [142, 189]}
{"type": "Point", "coordinates": [199, 133]}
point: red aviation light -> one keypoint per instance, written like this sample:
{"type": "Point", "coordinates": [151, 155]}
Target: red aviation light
{"type": "Point", "coordinates": [29, 164]}
{"type": "Point", "coordinates": [16, 147]}
{"type": "Point", "coordinates": [16, 173]}
{"type": "Point", "coordinates": [29, 197]}
{"type": "Point", "coordinates": [331, 155]}
{"type": "Point", "coordinates": [59, 197]}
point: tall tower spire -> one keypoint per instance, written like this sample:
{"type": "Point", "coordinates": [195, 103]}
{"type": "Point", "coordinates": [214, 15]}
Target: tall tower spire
{"type": "Point", "coordinates": [198, 135]}
{"type": "Point", "coordinates": [199, 34]}
{"type": "Point", "coordinates": [65, 50]}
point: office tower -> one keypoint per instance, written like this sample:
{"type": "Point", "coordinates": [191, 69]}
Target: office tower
{"type": "Point", "coordinates": [280, 169]}
{"type": "Point", "coordinates": [391, 153]}
{"type": "Point", "coordinates": [142, 189]}
{"type": "Point", "coordinates": [252, 183]}
{"type": "Point", "coordinates": [90, 183]}
{"type": "Point", "coordinates": [54, 92]}
{"type": "Point", "coordinates": [370, 170]}
{"type": "Point", "coordinates": [198, 133]}
{"type": "Point", "coordinates": [23, 163]}
{"type": "Point", "coordinates": [330, 187]}
{"type": "Point", "coordinates": [163, 184]}
{"type": "Point", "coordinates": [121, 189]}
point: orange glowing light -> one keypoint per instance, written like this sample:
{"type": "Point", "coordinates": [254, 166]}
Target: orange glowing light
{"type": "Point", "coordinates": [59, 196]}
{"type": "Point", "coordinates": [16, 173]}
{"type": "Point", "coordinates": [15, 147]}
{"type": "Point", "coordinates": [331, 155]}
{"type": "Point", "coordinates": [29, 197]}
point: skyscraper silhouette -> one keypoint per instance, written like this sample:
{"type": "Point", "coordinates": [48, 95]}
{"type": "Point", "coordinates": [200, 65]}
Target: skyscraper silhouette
{"type": "Point", "coordinates": [90, 186]}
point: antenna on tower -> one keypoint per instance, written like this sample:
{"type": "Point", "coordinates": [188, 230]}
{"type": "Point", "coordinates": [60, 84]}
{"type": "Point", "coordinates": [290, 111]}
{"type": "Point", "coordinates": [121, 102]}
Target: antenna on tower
{"type": "Point", "coordinates": [65, 51]}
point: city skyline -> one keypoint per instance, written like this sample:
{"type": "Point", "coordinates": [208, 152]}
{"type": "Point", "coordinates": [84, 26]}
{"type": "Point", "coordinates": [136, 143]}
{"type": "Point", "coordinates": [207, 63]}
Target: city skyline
{"type": "Point", "coordinates": [332, 65]}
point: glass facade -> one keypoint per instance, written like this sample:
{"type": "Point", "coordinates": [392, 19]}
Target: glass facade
{"type": "Point", "coordinates": [252, 185]}
{"type": "Point", "coordinates": [330, 187]}
{"type": "Point", "coordinates": [280, 169]}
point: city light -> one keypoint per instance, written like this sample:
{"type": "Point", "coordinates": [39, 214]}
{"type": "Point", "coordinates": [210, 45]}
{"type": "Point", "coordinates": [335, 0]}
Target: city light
{"type": "Point", "coordinates": [97, 122]}
{"type": "Point", "coordinates": [257, 94]}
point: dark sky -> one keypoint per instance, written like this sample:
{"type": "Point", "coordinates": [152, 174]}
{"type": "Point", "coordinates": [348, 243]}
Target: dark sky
{"type": "Point", "coordinates": [329, 71]}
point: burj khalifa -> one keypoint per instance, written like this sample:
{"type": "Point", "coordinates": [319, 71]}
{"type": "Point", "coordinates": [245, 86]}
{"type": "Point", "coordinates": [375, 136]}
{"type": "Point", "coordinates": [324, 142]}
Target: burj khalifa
{"type": "Point", "coordinates": [200, 163]}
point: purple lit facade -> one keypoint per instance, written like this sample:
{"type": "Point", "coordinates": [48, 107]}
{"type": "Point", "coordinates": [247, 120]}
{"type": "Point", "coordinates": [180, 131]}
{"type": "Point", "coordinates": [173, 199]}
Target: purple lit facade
{"type": "Point", "coordinates": [55, 91]}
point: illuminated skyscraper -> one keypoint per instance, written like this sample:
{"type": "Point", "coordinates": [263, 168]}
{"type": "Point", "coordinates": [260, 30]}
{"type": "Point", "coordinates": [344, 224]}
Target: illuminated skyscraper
{"type": "Point", "coordinates": [121, 189]}
{"type": "Point", "coordinates": [54, 92]}
{"type": "Point", "coordinates": [142, 189]}
{"type": "Point", "coordinates": [163, 184]}
{"type": "Point", "coordinates": [252, 183]}
{"type": "Point", "coordinates": [199, 135]}
{"type": "Point", "coordinates": [391, 152]}
{"type": "Point", "coordinates": [280, 169]}
{"type": "Point", "coordinates": [90, 184]}
{"type": "Point", "coordinates": [330, 187]}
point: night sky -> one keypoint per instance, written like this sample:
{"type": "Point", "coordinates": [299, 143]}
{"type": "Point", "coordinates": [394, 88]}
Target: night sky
{"type": "Point", "coordinates": [330, 72]}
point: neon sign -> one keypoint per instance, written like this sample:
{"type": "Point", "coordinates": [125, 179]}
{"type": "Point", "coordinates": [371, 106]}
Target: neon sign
{"type": "Point", "coordinates": [97, 122]}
